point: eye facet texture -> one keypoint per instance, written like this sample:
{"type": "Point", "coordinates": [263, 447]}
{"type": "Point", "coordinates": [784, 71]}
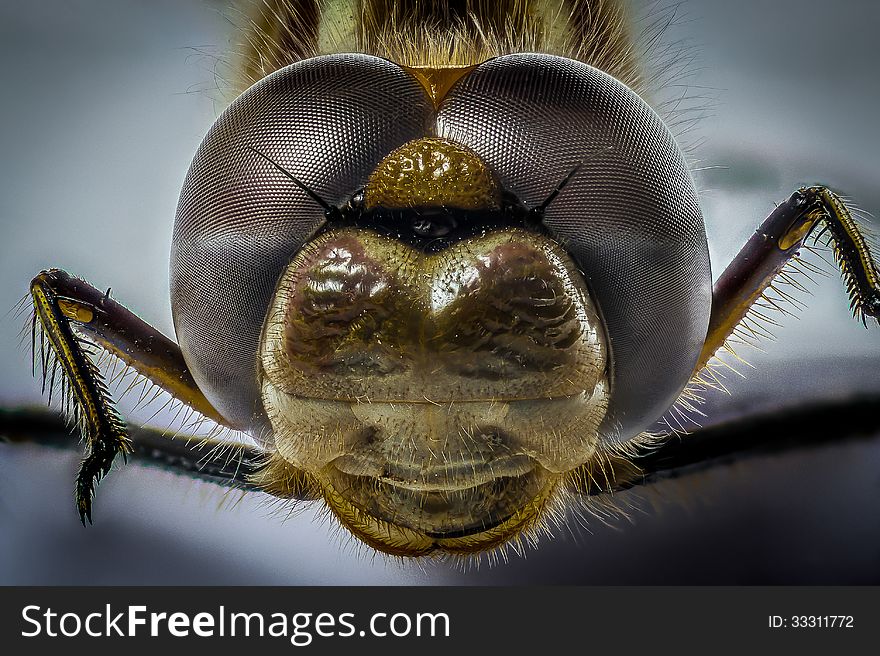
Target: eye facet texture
{"type": "Point", "coordinates": [630, 217]}
{"type": "Point", "coordinates": [328, 121]}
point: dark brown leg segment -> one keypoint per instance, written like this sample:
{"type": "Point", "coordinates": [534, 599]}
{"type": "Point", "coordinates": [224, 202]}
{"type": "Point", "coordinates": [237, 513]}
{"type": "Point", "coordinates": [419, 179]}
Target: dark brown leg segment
{"type": "Point", "coordinates": [795, 429]}
{"type": "Point", "coordinates": [225, 463]}
{"type": "Point", "coordinates": [74, 317]}
{"type": "Point", "coordinates": [775, 244]}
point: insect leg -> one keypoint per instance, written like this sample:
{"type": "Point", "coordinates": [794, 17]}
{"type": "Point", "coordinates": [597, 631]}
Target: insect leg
{"type": "Point", "coordinates": [223, 463]}
{"type": "Point", "coordinates": [776, 243]}
{"type": "Point", "coordinates": [806, 427]}
{"type": "Point", "coordinates": [73, 317]}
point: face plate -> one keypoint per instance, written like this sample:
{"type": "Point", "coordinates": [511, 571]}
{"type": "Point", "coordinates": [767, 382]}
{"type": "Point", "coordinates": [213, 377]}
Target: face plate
{"type": "Point", "coordinates": [441, 392]}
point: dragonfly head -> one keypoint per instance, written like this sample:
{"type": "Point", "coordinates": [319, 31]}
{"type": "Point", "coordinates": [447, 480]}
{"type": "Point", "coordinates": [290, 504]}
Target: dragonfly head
{"type": "Point", "coordinates": [438, 387]}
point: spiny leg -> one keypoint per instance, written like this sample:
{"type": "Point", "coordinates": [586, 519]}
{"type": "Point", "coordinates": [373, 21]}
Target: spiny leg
{"type": "Point", "coordinates": [72, 317]}
{"type": "Point", "coordinates": [776, 243]}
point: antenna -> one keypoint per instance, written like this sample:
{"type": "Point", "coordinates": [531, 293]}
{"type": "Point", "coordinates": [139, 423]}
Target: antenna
{"type": "Point", "coordinates": [553, 194]}
{"type": "Point", "coordinates": [315, 197]}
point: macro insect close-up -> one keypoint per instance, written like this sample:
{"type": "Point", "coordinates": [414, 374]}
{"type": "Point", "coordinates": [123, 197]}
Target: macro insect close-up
{"type": "Point", "coordinates": [460, 278]}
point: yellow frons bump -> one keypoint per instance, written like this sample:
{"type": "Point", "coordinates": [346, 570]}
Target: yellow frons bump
{"type": "Point", "coordinates": [431, 172]}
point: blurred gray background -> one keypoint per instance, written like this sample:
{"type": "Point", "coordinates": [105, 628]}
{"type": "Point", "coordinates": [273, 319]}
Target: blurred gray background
{"type": "Point", "coordinates": [104, 104]}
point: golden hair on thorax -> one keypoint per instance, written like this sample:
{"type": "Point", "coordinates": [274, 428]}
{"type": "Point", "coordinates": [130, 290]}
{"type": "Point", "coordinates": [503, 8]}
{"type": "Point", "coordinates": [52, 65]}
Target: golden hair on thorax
{"type": "Point", "coordinates": [455, 34]}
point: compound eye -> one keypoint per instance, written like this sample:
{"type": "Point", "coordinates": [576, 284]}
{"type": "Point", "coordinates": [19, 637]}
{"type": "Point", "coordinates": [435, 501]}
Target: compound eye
{"type": "Point", "coordinates": [328, 122]}
{"type": "Point", "coordinates": [630, 217]}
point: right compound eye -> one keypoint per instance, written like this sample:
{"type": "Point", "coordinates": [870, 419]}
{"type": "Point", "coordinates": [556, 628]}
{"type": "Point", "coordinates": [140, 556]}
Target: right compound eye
{"type": "Point", "coordinates": [629, 218]}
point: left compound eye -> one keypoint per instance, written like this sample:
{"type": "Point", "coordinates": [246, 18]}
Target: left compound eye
{"type": "Point", "coordinates": [630, 218]}
{"type": "Point", "coordinates": [328, 122]}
